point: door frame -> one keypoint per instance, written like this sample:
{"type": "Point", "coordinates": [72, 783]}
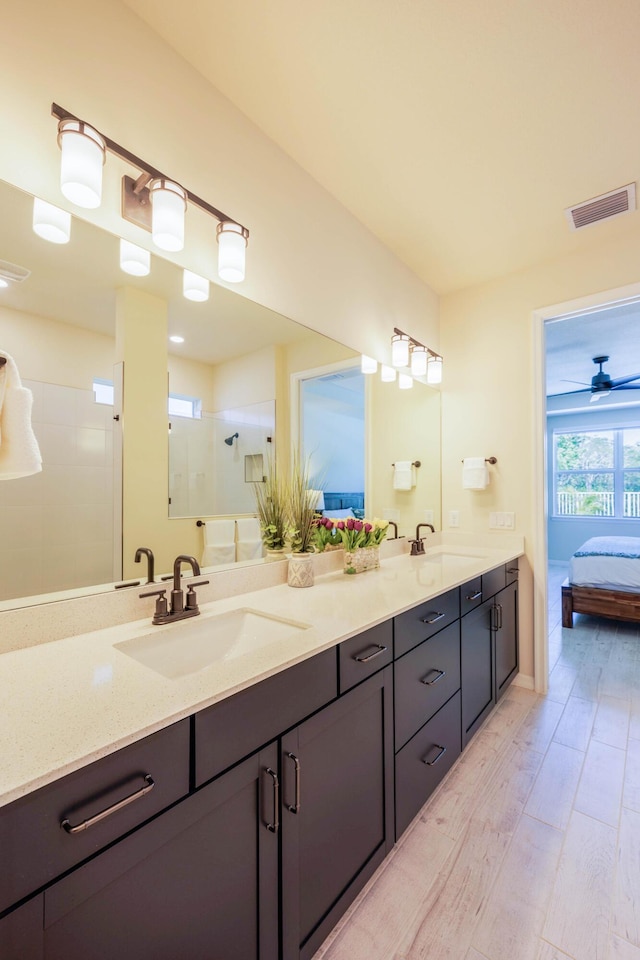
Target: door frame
{"type": "Point", "coordinates": [570, 308]}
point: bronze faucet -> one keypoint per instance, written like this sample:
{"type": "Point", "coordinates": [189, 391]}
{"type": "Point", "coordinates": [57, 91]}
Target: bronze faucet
{"type": "Point", "coordinates": [393, 524]}
{"type": "Point", "coordinates": [417, 545]}
{"type": "Point", "coordinates": [149, 555]}
{"type": "Point", "coordinates": [180, 609]}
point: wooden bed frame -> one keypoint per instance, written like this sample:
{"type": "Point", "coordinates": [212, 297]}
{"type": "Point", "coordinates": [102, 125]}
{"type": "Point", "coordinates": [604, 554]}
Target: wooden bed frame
{"type": "Point", "coordinates": [615, 604]}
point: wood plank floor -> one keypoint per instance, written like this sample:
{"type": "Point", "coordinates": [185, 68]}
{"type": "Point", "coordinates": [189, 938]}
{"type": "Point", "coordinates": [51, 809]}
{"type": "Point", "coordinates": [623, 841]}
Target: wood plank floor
{"type": "Point", "coordinates": [530, 848]}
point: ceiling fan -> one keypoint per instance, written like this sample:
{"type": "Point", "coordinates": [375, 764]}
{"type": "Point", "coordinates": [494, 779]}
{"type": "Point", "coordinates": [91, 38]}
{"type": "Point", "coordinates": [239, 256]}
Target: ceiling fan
{"type": "Point", "coordinates": [602, 384]}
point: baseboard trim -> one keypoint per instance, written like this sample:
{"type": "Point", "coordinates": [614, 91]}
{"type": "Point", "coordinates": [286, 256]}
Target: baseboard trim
{"type": "Point", "coordinates": [523, 680]}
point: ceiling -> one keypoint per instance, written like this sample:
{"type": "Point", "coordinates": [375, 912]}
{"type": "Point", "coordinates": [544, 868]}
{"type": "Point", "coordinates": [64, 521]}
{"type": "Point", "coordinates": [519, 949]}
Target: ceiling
{"type": "Point", "coordinates": [457, 132]}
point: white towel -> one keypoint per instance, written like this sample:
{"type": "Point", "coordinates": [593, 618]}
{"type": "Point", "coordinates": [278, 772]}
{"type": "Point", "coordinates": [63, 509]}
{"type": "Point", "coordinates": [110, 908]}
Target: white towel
{"type": "Point", "coordinates": [219, 533]}
{"type": "Point", "coordinates": [475, 473]}
{"type": "Point", "coordinates": [19, 451]}
{"type": "Point", "coordinates": [248, 529]}
{"type": "Point", "coordinates": [403, 475]}
{"type": "Point", "coordinates": [215, 554]}
{"type": "Point", "coordinates": [249, 549]}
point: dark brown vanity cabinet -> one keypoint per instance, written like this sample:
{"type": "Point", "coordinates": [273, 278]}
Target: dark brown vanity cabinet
{"type": "Point", "coordinates": [506, 637]}
{"type": "Point", "coordinates": [337, 810]}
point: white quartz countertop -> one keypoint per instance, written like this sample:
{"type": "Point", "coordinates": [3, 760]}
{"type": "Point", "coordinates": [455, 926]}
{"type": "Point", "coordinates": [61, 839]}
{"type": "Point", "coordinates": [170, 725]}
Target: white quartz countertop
{"type": "Point", "coordinates": [68, 702]}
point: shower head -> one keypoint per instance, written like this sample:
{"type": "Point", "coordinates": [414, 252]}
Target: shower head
{"type": "Point", "coordinates": [229, 440]}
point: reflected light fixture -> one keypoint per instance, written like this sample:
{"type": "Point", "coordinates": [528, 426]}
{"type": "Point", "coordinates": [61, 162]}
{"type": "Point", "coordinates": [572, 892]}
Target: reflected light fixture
{"type": "Point", "coordinates": [51, 223]}
{"type": "Point", "coordinates": [83, 154]}
{"type": "Point", "coordinates": [400, 349]}
{"type": "Point", "coordinates": [195, 287]}
{"type": "Point", "coordinates": [232, 245]}
{"type": "Point", "coordinates": [434, 368]}
{"type": "Point", "coordinates": [405, 381]}
{"type": "Point", "coordinates": [388, 374]}
{"type": "Point", "coordinates": [134, 260]}
{"type": "Point", "coordinates": [368, 364]}
{"type": "Point", "coordinates": [176, 339]}
{"type": "Point", "coordinates": [419, 360]}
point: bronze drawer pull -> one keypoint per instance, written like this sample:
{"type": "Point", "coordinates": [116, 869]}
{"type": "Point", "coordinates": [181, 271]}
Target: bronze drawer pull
{"type": "Point", "coordinates": [379, 649]}
{"type": "Point", "coordinates": [142, 792]}
{"type": "Point", "coordinates": [474, 596]}
{"type": "Point", "coordinates": [441, 753]}
{"type": "Point", "coordinates": [295, 806]}
{"type": "Point", "coordinates": [274, 827]}
{"type": "Point", "coordinates": [440, 675]}
{"type": "Point", "coordinates": [434, 619]}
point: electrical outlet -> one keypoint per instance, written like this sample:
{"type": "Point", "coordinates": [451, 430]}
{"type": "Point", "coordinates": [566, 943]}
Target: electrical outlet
{"type": "Point", "coordinates": [454, 518]}
{"type": "Point", "coordinates": [427, 516]}
{"type": "Point", "coordinates": [509, 521]}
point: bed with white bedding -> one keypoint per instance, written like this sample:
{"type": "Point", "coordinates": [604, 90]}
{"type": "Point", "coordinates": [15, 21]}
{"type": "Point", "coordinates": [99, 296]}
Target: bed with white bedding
{"type": "Point", "coordinates": [604, 580]}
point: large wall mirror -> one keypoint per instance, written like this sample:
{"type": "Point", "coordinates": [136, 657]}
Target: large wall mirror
{"type": "Point", "coordinates": [78, 324]}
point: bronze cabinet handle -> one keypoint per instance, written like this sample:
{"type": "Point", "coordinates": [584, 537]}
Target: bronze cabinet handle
{"type": "Point", "coordinates": [441, 752]}
{"type": "Point", "coordinates": [80, 827]}
{"type": "Point", "coordinates": [380, 648]}
{"type": "Point", "coordinates": [437, 616]}
{"type": "Point", "coordinates": [440, 675]}
{"type": "Point", "coordinates": [474, 596]}
{"type": "Point", "coordinates": [295, 806]}
{"type": "Point", "coordinates": [275, 826]}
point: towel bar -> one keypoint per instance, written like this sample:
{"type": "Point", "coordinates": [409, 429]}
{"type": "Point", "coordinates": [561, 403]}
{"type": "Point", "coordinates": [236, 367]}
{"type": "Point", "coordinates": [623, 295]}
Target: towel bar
{"type": "Point", "coordinates": [414, 463]}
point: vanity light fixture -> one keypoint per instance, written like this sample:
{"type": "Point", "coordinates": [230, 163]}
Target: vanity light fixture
{"type": "Point", "coordinates": [152, 200]}
{"type": "Point", "coordinates": [419, 360]}
{"type": "Point", "coordinates": [51, 223]}
{"type": "Point", "coordinates": [83, 155]}
{"type": "Point", "coordinates": [368, 364]}
{"type": "Point", "coordinates": [423, 359]}
{"type": "Point", "coordinates": [388, 374]}
{"type": "Point", "coordinates": [195, 287]}
{"type": "Point", "coordinates": [400, 349]}
{"type": "Point", "coordinates": [434, 368]}
{"type": "Point", "coordinates": [134, 260]}
{"type": "Point", "coordinates": [405, 381]}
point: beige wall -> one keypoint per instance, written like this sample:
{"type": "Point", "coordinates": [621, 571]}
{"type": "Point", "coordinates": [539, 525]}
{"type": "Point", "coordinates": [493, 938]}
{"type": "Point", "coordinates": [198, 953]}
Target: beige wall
{"type": "Point", "coordinates": [488, 391]}
{"type": "Point", "coordinates": [308, 258]}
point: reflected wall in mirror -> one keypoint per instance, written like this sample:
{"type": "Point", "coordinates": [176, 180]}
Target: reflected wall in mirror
{"type": "Point", "coordinates": [78, 319]}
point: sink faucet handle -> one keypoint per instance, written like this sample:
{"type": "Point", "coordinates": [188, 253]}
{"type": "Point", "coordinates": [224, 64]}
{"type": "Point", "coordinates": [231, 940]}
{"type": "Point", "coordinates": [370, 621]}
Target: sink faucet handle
{"type": "Point", "coordinates": [161, 603]}
{"type": "Point", "coordinates": [192, 601]}
{"type": "Point", "coordinates": [200, 583]}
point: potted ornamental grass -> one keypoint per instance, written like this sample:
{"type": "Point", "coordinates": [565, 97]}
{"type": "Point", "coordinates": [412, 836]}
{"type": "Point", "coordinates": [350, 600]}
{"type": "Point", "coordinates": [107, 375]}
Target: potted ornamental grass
{"type": "Point", "coordinates": [360, 539]}
{"type": "Point", "coordinates": [301, 511]}
{"type": "Point", "coordinates": [271, 501]}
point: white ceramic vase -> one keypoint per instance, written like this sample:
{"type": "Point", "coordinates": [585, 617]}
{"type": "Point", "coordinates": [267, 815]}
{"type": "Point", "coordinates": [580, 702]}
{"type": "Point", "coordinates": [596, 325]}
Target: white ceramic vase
{"type": "Point", "coordinates": [300, 573]}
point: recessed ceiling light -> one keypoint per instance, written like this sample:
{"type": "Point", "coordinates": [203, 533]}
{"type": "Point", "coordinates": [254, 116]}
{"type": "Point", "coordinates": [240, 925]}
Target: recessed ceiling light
{"type": "Point", "coordinates": [3, 282]}
{"type": "Point", "coordinates": [176, 339]}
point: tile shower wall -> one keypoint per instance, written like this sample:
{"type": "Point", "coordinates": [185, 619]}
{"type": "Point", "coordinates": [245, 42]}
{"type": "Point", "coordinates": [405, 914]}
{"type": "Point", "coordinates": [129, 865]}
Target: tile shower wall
{"type": "Point", "coordinates": [57, 526]}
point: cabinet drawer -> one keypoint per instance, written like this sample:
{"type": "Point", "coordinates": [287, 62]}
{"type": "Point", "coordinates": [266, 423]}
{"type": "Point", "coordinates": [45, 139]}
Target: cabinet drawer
{"type": "Point", "coordinates": [493, 581]}
{"type": "Point", "coordinates": [424, 680]}
{"type": "Point", "coordinates": [365, 654]}
{"type": "Point", "coordinates": [423, 762]}
{"type": "Point", "coordinates": [421, 622]}
{"type": "Point", "coordinates": [234, 728]}
{"type": "Point", "coordinates": [470, 595]}
{"type": "Point", "coordinates": [512, 571]}
{"type": "Point", "coordinates": [35, 847]}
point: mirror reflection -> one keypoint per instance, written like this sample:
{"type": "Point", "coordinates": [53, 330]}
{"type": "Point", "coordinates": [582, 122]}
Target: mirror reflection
{"type": "Point", "coordinates": [93, 346]}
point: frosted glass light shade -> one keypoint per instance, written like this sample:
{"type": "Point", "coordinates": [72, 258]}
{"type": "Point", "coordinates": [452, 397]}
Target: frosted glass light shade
{"type": "Point", "coordinates": [405, 382]}
{"type": "Point", "coordinates": [400, 350]}
{"type": "Point", "coordinates": [195, 287]}
{"type": "Point", "coordinates": [169, 202]}
{"type": "Point", "coordinates": [419, 361]}
{"type": "Point", "coordinates": [388, 374]}
{"type": "Point", "coordinates": [232, 248]}
{"type": "Point", "coordinates": [368, 364]}
{"type": "Point", "coordinates": [51, 223]}
{"type": "Point", "coordinates": [83, 155]}
{"type": "Point", "coordinates": [434, 369]}
{"type": "Point", "coordinates": [134, 260]}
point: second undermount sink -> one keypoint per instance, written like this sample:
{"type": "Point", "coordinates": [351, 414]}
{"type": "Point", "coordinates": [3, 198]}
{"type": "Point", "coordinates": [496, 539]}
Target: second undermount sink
{"type": "Point", "coordinates": [178, 649]}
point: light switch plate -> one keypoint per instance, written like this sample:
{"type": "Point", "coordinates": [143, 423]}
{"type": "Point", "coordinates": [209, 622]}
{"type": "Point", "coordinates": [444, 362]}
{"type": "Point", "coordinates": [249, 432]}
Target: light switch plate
{"type": "Point", "coordinates": [427, 516]}
{"type": "Point", "coordinates": [454, 518]}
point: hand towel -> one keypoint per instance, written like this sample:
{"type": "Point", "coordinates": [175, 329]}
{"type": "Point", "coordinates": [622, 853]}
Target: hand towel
{"type": "Point", "coordinates": [248, 529]}
{"type": "Point", "coordinates": [403, 475]}
{"type": "Point", "coordinates": [475, 473]}
{"type": "Point", "coordinates": [19, 451]}
{"type": "Point", "coordinates": [249, 550]}
{"type": "Point", "coordinates": [219, 533]}
{"type": "Point", "coordinates": [215, 554]}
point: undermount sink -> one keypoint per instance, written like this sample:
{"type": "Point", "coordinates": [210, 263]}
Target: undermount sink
{"type": "Point", "coordinates": [450, 558]}
{"type": "Point", "coordinates": [178, 649]}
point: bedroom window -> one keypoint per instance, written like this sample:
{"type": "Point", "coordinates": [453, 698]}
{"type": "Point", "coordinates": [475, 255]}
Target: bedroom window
{"type": "Point", "coordinates": [597, 473]}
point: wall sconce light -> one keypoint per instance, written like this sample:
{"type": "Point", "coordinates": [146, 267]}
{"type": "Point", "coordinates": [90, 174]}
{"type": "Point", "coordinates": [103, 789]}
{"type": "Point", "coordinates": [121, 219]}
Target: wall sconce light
{"type": "Point", "coordinates": [134, 260]}
{"type": "Point", "coordinates": [51, 223]}
{"type": "Point", "coordinates": [400, 349]}
{"type": "Point", "coordinates": [388, 374]}
{"type": "Point", "coordinates": [434, 368]}
{"type": "Point", "coordinates": [83, 154]}
{"type": "Point", "coordinates": [405, 381]}
{"type": "Point", "coordinates": [151, 201]}
{"type": "Point", "coordinates": [368, 364]}
{"type": "Point", "coordinates": [232, 246]}
{"type": "Point", "coordinates": [195, 287]}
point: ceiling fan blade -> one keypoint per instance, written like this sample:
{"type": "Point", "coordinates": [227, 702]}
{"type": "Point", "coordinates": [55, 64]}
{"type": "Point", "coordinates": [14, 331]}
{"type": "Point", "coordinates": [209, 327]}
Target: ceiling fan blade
{"type": "Point", "coordinates": [581, 382]}
{"type": "Point", "coordinates": [620, 381]}
{"type": "Point", "coordinates": [626, 386]}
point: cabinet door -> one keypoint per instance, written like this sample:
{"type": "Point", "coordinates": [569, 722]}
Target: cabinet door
{"type": "Point", "coordinates": [506, 637]}
{"type": "Point", "coordinates": [476, 668]}
{"type": "Point", "coordinates": [337, 815]}
{"type": "Point", "coordinates": [21, 932]}
{"type": "Point", "coordinates": [200, 881]}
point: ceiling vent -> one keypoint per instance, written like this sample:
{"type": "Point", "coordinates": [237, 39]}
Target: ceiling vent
{"type": "Point", "coordinates": [11, 271]}
{"type": "Point", "coordinates": [606, 207]}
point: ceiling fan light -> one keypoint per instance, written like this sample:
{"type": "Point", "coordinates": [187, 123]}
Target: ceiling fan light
{"type": "Point", "coordinates": [83, 155]}
{"type": "Point", "coordinates": [134, 260]}
{"type": "Point", "coordinates": [50, 222]}
{"type": "Point", "coordinates": [232, 247]}
{"type": "Point", "coordinates": [400, 350]}
{"type": "Point", "coordinates": [434, 369]}
{"type": "Point", "coordinates": [168, 206]}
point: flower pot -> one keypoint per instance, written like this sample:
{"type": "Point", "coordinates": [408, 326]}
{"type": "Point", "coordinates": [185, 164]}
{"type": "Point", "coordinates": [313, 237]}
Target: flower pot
{"type": "Point", "coordinates": [275, 554]}
{"type": "Point", "coordinates": [364, 558]}
{"type": "Point", "coordinates": [300, 572]}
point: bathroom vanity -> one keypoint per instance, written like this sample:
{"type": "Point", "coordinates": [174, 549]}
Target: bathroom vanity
{"type": "Point", "coordinates": [246, 823]}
